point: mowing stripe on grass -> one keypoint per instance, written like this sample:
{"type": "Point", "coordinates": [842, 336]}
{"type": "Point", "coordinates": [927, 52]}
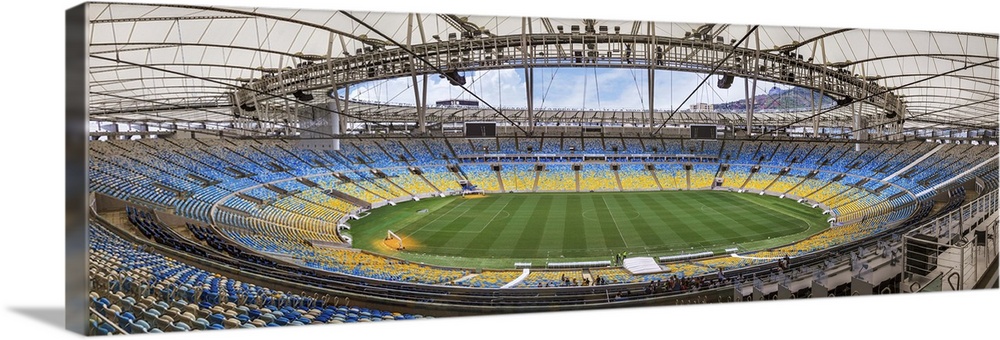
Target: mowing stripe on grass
{"type": "Point", "coordinates": [480, 245]}
{"type": "Point", "coordinates": [612, 214]}
{"type": "Point", "coordinates": [645, 221]}
{"type": "Point", "coordinates": [576, 228]}
{"type": "Point", "coordinates": [531, 236]}
{"type": "Point", "coordinates": [493, 231]}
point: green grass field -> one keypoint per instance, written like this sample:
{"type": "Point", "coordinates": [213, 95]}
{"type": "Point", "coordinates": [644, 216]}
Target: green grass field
{"type": "Point", "coordinates": [497, 230]}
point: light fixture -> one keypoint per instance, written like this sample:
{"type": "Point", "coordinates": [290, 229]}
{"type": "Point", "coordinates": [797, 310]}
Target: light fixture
{"type": "Point", "coordinates": [302, 96]}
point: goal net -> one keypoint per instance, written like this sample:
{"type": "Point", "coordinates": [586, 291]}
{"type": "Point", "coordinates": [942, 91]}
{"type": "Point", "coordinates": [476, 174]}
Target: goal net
{"type": "Point", "coordinates": [470, 189]}
{"type": "Point", "coordinates": [390, 236]}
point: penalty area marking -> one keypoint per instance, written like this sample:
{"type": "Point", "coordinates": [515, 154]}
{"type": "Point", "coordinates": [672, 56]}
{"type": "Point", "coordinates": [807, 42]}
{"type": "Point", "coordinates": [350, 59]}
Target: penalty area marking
{"type": "Point", "coordinates": [495, 216]}
{"type": "Point", "coordinates": [436, 218]}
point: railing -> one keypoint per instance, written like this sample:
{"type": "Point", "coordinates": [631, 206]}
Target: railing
{"type": "Point", "coordinates": [118, 330]}
{"type": "Point", "coordinates": [953, 251]}
{"type": "Point", "coordinates": [567, 50]}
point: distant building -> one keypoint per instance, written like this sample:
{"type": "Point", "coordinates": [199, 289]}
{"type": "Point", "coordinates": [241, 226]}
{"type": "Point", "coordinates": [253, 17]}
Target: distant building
{"type": "Point", "coordinates": [701, 107]}
{"type": "Point", "coordinates": [457, 103]}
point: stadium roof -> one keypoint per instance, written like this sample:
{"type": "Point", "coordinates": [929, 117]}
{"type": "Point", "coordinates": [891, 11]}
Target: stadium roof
{"type": "Point", "coordinates": [154, 62]}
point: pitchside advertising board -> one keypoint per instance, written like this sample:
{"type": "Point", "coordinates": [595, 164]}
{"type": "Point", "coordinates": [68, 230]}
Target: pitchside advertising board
{"type": "Point", "coordinates": [703, 132]}
{"type": "Point", "coordinates": [480, 130]}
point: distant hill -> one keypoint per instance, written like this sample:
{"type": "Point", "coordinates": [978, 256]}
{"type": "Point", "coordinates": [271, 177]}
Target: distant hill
{"type": "Point", "coordinates": [777, 99]}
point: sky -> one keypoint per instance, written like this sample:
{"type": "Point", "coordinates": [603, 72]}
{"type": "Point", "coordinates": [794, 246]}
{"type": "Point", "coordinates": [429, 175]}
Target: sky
{"type": "Point", "coordinates": [588, 88]}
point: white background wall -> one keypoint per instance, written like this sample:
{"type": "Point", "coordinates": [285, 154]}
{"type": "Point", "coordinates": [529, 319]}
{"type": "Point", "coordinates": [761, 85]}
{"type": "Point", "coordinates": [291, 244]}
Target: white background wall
{"type": "Point", "coordinates": [33, 254]}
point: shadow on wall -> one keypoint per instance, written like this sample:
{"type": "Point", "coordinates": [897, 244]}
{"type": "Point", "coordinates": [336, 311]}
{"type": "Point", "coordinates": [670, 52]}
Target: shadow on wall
{"type": "Point", "coordinates": [52, 316]}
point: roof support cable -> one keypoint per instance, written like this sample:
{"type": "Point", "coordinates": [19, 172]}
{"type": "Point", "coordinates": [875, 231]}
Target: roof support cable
{"type": "Point", "coordinates": [436, 68]}
{"type": "Point", "coordinates": [317, 107]}
{"type": "Point", "coordinates": [709, 75]}
{"type": "Point", "coordinates": [887, 90]}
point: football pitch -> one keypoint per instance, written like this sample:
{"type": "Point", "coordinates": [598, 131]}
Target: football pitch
{"type": "Point", "coordinates": [499, 229]}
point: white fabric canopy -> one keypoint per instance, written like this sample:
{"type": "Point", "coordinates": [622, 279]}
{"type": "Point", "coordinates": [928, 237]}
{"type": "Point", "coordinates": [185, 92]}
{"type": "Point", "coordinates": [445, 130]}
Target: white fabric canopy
{"type": "Point", "coordinates": [191, 57]}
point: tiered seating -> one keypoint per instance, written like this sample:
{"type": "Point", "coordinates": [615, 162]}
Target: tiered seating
{"type": "Point", "coordinates": [482, 176]}
{"type": "Point", "coordinates": [291, 214]}
{"type": "Point", "coordinates": [635, 177]}
{"type": "Point", "coordinates": [552, 144]}
{"type": "Point", "coordinates": [322, 200]}
{"type": "Point", "coordinates": [507, 145]}
{"type": "Point", "coordinates": [672, 147]}
{"type": "Point", "coordinates": [735, 176]}
{"type": "Point", "coordinates": [491, 279]}
{"type": "Point", "coordinates": [152, 229]}
{"type": "Point", "coordinates": [613, 143]}
{"type": "Point", "coordinates": [634, 146]}
{"type": "Point", "coordinates": [539, 278]}
{"type": "Point", "coordinates": [762, 178]}
{"type": "Point", "coordinates": [557, 177]}
{"type": "Point", "coordinates": [592, 144]}
{"type": "Point", "coordinates": [377, 267]}
{"type": "Point", "coordinates": [782, 155]}
{"type": "Point", "coordinates": [711, 147]}
{"type": "Point", "coordinates": [572, 143]}
{"type": "Point", "coordinates": [439, 149]}
{"type": "Point", "coordinates": [408, 181]}
{"type": "Point", "coordinates": [206, 171]}
{"type": "Point", "coordinates": [330, 182]}
{"type": "Point", "coordinates": [730, 152]}
{"type": "Point", "coordinates": [789, 180]}
{"type": "Point", "coordinates": [518, 177]}
{"type": "Point", "coordinates": [702, 175]}
{"type": "Point", "coordinates": [597, 177]}
{"type": "Point", "coordinates": [524, 143]}
{"type": "Point", "coordinates": [612, 275]}
{"type": "Point", "coordinates": [143, 292]}
{"type": "Point", "coordinates": [671, 176]}
{"type": "Point", "coordinates": [765, 151]}
{"type": "Point", "coordinates": [395, 150]}
{"type": "Point", "coordinates": [441, 178]}
{"type": "Point", "coordinates": [796, 156]}
{"type": "Point", "coordinates": [379, 186]}
{"type": "Point", "coordinates": [375, 155]}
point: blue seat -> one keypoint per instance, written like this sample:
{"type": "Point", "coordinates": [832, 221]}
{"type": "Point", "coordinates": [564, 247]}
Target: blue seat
{"type": "Point", "coordinates": [281, 321]}
{"type": "Point", "coordinates": [216, 318]}
{"type": "Point", "coordinates": [105, 329]}
{"type": "Point", "coordinates": [138, 326]}
{"type": "Point", "coordinates": [201, 323]}
{"type": "Point", "coordinates": [150, 315]}
{"type": "Point", "coordinates": [124, 319]}
{"type": "Point", "coordinates": [178, 327]}
{"type": "Point", "coordinates": [127, 304]}
{"type": "Point", "coordinates": [92, 330]}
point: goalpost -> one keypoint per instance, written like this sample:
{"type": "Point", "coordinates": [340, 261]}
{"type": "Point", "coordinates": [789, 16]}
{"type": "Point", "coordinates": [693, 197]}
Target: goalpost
{"type": "Point", "coordinates": [469, 189]}
{"type": "Point", "coordinates": [399, 240]}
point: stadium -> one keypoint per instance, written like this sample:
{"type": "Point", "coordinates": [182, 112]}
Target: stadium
{"type": "Point", "coordinates": [255, 167]}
